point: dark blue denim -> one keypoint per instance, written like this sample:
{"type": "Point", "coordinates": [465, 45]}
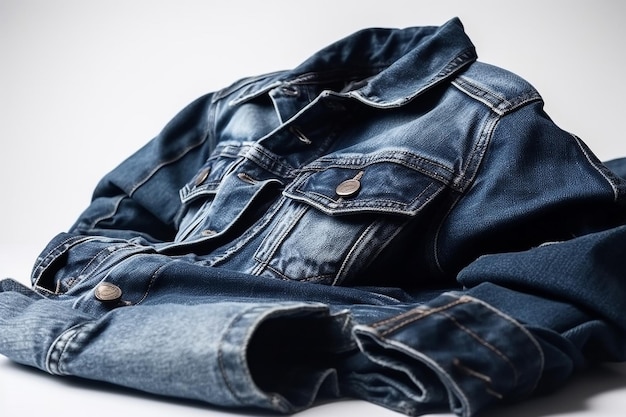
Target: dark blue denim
{"type": "Point", "coordinates": [392, 220]}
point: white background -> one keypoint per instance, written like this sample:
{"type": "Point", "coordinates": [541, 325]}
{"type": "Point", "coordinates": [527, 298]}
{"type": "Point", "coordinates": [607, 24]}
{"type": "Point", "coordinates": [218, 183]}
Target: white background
{"type": "Point", "coordinates": [85, 83]}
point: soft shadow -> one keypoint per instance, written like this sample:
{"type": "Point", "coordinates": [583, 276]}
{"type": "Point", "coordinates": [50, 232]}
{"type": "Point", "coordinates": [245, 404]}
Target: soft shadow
{"type": "Point", "coordinates": [77, 383]}
{"type": "Point", "coordinates": [573, 397]}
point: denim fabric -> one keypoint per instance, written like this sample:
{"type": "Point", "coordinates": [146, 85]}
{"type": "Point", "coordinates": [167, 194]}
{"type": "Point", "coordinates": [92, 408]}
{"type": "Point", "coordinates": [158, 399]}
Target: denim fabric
{"type": "Point", "coordinates": [391, 220]}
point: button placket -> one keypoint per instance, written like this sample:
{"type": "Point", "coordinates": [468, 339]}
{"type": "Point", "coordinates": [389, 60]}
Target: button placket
{"type": "Point", "coordinates": [334, 105]}
{"type": "Point", "coordinates": [288, 100]}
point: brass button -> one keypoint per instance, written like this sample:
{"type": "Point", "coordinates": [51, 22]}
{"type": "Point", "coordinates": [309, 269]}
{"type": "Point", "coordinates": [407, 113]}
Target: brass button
{"type": "Point", "coordinates": [349, 188]}
{"type": "Point", "coordinates": [202, 176]}
{"type": "Point", "coordinates": [107, 292]}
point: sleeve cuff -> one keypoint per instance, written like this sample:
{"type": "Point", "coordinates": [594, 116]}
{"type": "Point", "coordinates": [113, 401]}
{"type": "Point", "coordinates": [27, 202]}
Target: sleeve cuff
{"type": "Point", "coordinates": [457, 352]}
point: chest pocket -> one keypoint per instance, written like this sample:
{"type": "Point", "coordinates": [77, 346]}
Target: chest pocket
{"type": "Point", "coordinates": [338, 216]}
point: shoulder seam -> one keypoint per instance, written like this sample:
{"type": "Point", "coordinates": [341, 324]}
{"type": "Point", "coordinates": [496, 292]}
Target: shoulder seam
{"type": "Point", "coordinates": [496, 102]}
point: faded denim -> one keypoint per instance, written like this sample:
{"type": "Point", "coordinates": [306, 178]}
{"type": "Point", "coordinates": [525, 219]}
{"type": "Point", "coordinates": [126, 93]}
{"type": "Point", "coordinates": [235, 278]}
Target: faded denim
{"type": "Point", "coordinates": [391, 220]}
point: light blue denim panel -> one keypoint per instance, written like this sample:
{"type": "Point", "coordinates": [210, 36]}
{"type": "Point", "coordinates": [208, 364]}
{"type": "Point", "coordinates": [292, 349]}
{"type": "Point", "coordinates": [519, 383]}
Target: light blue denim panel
{"type": "Point", "coordinates": [189, 351]}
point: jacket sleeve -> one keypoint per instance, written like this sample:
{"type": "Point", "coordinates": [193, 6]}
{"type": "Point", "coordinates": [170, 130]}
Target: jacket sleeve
{"type": "Point", "coordinates": [537, 247]}
{"type": "Point", "coordinates": [140, 196]}
{"type": "Point", "coordinates": [525, 322]}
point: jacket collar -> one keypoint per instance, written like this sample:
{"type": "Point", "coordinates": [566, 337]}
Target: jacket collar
{"type": "Point", "coordinates": [390, 67]}
{"type": "Point", "coordinates": [404, 62]}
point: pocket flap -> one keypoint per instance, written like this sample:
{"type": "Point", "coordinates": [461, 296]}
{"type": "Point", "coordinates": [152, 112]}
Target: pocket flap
{"type": "Point", "coordinates": [339, 187]}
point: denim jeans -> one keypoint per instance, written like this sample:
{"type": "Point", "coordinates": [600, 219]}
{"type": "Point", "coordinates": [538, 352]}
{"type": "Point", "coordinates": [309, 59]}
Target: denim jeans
{"type": "Point", "coordinates": [391, 220]}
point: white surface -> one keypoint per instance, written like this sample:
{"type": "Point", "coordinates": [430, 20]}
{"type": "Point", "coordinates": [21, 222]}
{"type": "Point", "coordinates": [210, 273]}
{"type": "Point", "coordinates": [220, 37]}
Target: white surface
{"type": "Point", "coordinates": [85, 83]}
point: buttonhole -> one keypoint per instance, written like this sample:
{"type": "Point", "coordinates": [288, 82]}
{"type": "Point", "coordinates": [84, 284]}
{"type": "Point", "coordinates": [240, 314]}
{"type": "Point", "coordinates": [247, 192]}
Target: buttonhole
{"type": "Point", "coordinates": [202, 176]}
{"type": "Point", "coordinates": [246, 178]}
{"type": "Point", "coordinates": [300, 135]}
{"type": "Point", "coordinates": [290, 90]}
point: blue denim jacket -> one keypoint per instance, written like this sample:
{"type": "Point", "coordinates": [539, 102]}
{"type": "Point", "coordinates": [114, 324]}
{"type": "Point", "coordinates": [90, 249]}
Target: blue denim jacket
{"type": "Point", "coordinates": [392, 220]}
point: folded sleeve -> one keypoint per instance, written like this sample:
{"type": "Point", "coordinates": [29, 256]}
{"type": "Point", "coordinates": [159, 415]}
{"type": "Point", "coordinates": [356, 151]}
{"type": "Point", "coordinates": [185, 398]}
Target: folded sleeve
{"type": "Point", "coordinates": [523, 323]}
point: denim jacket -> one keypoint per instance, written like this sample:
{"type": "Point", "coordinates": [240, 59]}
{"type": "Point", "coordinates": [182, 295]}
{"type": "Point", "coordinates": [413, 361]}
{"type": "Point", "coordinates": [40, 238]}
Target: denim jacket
{"type": "Point", "coordinates": [391, 220]}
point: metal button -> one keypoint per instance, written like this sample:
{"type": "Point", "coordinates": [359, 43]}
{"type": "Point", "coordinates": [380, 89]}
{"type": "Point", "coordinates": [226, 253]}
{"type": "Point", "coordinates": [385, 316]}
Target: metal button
{"type": "Point", "coordinates": [349, 188]}
{"type": "Point", "coordinates": [202, 176]}
{"type": "Point", "coordinates": [107, 292]}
